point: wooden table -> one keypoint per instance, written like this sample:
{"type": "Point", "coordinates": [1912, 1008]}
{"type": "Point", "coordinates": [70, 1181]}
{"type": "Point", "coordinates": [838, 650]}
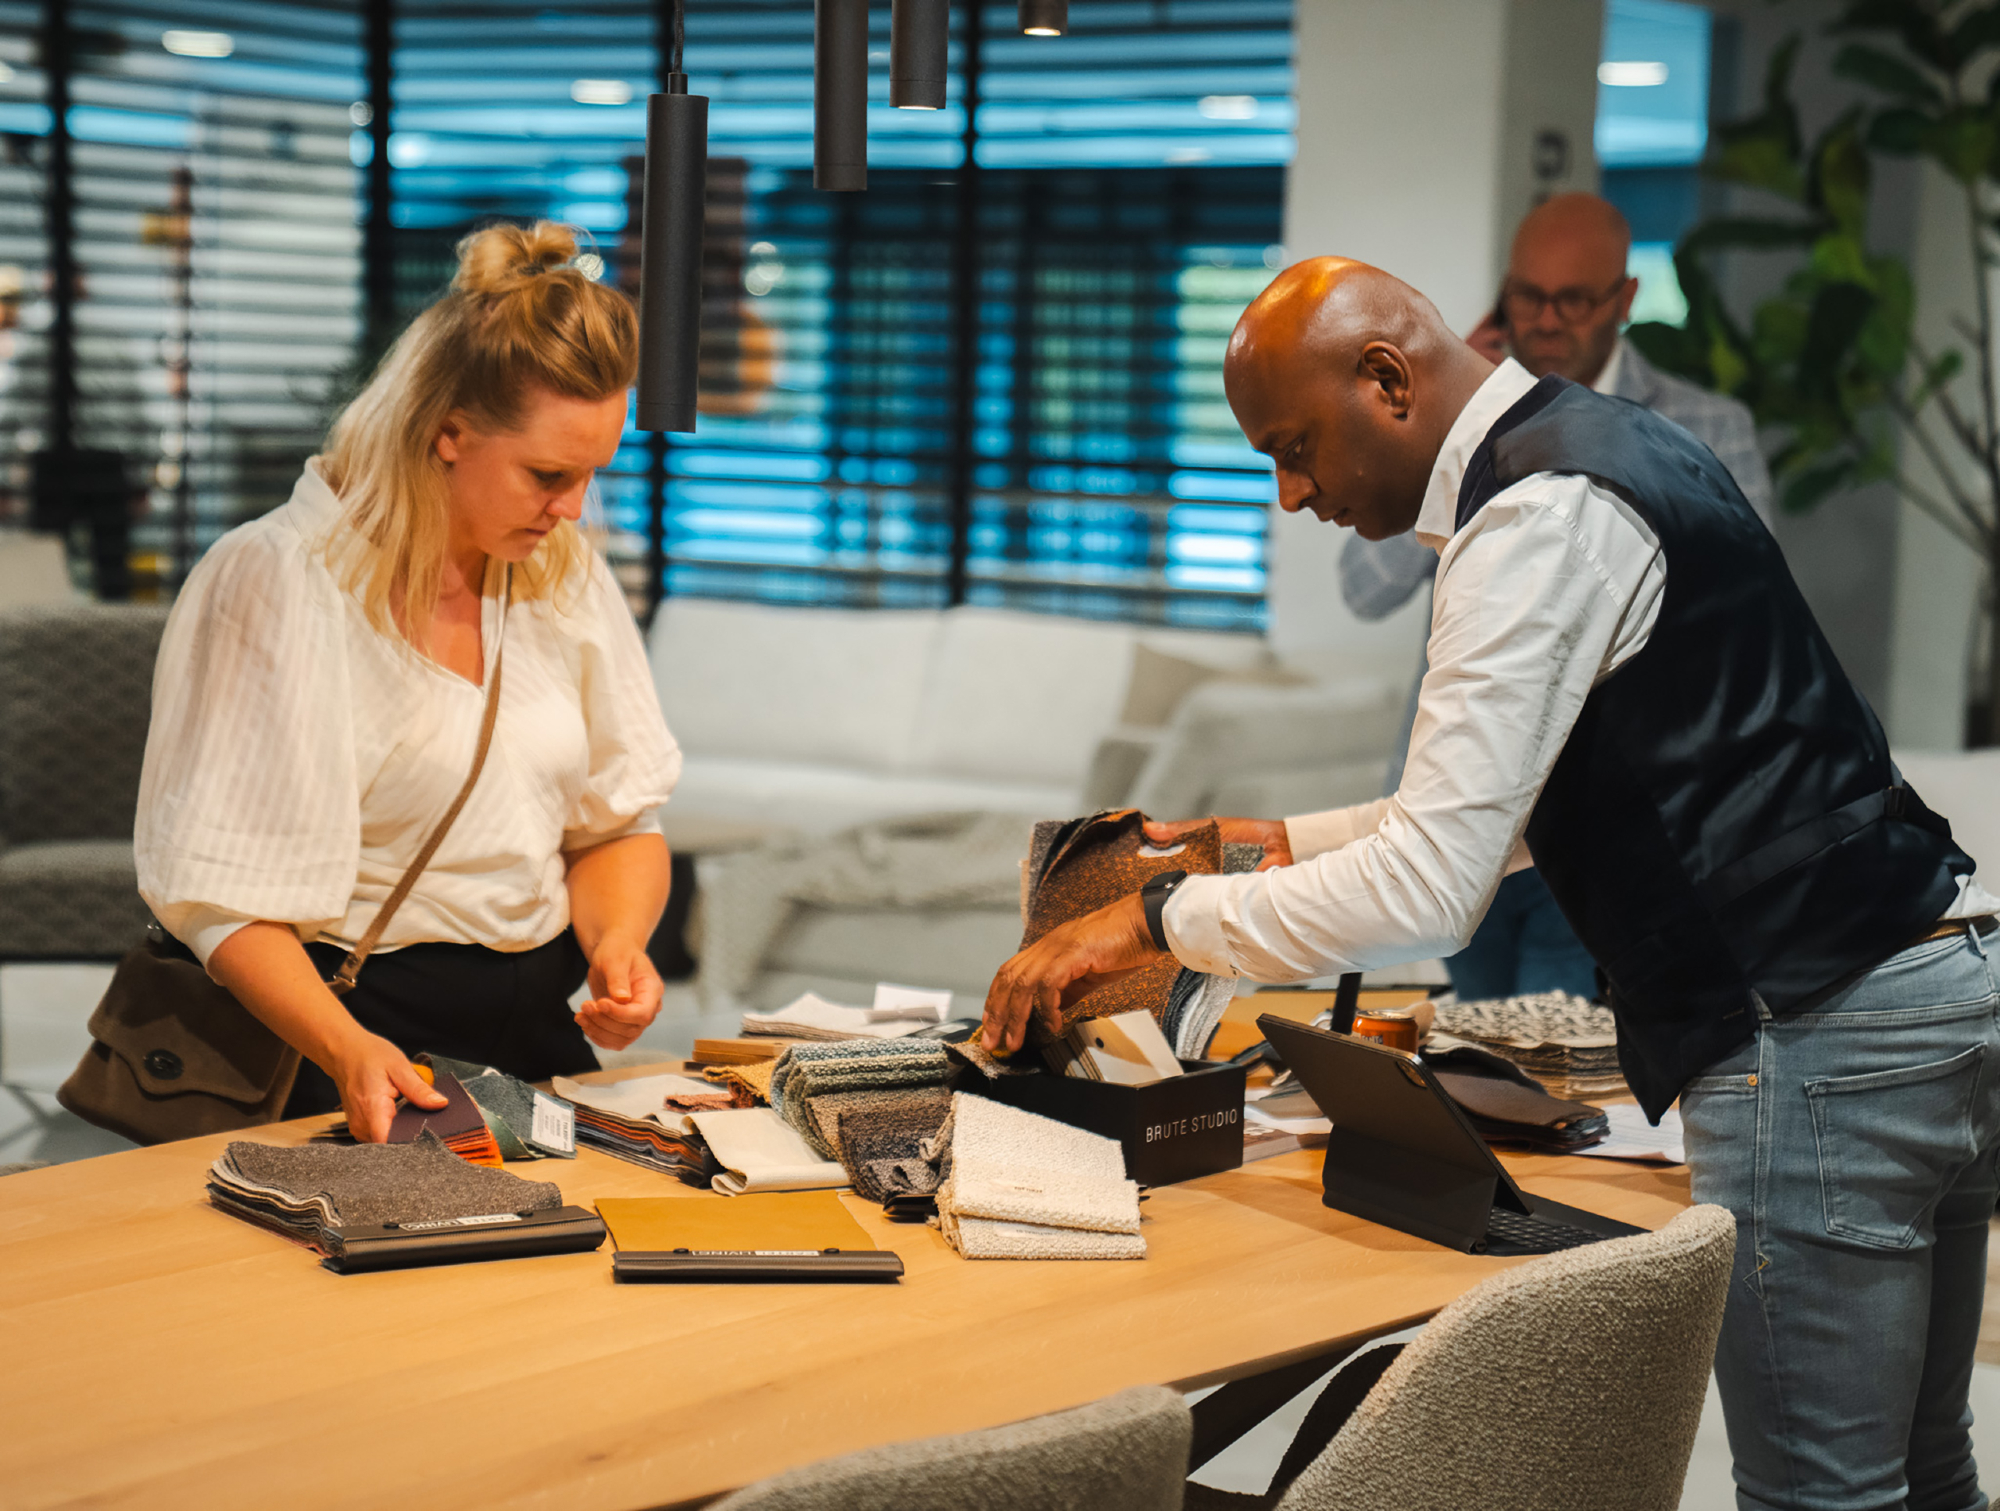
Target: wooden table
{"type": "Point", "coordinates": [162, 1354]}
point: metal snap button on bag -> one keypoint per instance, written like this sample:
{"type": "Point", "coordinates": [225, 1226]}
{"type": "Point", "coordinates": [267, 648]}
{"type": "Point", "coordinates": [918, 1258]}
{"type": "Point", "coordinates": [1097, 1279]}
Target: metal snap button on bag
{"type": "Point", "coordinates": [163, 1065]}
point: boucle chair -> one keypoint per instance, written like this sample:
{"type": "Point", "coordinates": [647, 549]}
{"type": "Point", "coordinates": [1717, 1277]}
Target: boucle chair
{"type": "Point", "coordinates": [1127, 1452]}
{"type": "Point", "coordinates": [76, 689]}
{"type": "Point", "coordinates": [1571, 1383]}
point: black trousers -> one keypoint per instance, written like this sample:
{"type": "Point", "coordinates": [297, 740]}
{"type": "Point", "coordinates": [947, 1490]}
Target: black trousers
{"type": "Point", "coordinates": [464, 1001]}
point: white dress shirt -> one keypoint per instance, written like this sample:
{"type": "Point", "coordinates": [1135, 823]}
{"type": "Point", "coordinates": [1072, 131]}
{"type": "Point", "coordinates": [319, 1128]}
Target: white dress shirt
{"type": "Point", "coordinates": [1548, 590]}
{"type": "Point", "coordinates": [298, 758]}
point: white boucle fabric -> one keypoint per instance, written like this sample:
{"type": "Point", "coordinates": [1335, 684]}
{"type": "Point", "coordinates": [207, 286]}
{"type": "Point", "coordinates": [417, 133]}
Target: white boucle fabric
{"type": "Point", "coordinates": [1571, 1383]}
{"type": "Point", "coordinates": [1019, 1186]}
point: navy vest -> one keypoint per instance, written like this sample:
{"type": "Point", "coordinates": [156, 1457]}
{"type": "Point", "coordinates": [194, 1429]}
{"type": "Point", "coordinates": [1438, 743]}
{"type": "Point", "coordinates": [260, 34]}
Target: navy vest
{"type": "Point", "coordinates": [1724, 819]}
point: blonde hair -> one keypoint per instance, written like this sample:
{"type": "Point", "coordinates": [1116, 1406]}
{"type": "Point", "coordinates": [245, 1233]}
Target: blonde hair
{"type": "Point", "coordinates": [519, 318]}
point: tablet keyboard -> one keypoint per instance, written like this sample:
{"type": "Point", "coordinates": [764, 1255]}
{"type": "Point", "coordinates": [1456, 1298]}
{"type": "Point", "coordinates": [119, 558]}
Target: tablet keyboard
{"type": "Point", "coordinates": [1537, 1235]}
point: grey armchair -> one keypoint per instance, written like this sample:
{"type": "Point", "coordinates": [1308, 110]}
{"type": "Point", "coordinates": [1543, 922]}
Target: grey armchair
{"type": "Point", "coordinates": [1572, 1383]}
{"type": "Point", "coordinates": [76, 687]}
{"type": "Point", "coordinates": [1124, 1453]}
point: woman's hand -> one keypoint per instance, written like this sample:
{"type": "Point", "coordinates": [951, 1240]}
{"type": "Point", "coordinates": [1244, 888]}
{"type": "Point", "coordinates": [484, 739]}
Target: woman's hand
{"type": "Point", "coordinates": [1269, 834]}
{"type": "Point", "coordinates": [371, 1074]}
{"type": "Point", "coordinates": [625, 993]}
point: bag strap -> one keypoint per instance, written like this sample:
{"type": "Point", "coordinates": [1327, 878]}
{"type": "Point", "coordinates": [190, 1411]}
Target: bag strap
{"type": "Point", "coordinates": [343, 980]}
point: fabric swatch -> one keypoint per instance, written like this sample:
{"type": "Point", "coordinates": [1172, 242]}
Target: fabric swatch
{"type": "Point", "coordinates": [360, 1185]}
{"type": "Point", "coordinates": [1019, 1186]}
{"type": "Point", "coordinates": [879, 1136]}
{"type": "Point", "coordinates": [806, 1072]}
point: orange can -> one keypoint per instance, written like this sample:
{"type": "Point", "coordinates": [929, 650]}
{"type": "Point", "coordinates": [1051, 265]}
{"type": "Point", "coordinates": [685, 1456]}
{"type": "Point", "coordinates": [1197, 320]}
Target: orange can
{"type": "Point", "coordinates": [1394, 1027]}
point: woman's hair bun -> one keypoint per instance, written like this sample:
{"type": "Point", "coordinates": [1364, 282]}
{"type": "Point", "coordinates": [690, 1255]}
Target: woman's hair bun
{"type": "Point", "coordinates": [500, 259]}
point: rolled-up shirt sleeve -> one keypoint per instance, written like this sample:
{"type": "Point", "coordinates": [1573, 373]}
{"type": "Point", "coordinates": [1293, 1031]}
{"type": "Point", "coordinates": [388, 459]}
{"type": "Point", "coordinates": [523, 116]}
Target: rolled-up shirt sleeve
{"type": "Point", "coordinates": [1550, 587]}
{"type": "Point", "coordinates": [248, 802]}
{"type": "Point", "coordinates": [634, 760]}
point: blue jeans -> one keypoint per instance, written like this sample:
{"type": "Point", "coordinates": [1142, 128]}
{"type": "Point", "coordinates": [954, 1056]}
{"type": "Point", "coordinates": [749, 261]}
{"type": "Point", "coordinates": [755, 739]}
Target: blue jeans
{"type": "Point", "coordinates": [1856, 1142]}
{"type": "Point", "coordinates": [1523, 944]}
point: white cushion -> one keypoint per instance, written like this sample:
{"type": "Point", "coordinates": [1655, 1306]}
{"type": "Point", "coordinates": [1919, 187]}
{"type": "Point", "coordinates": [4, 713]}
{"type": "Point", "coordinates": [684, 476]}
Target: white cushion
{"type": "Point", "coordinates": [1020, 697]}
{"type": "Point", "coordinates": [782, 684]}
{"type": "Point", "coordinates": [817, 799]}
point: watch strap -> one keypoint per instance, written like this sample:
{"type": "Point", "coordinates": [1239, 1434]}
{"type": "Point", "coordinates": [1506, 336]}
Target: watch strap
{"type": "Point", "coordinates": [1153, 897]}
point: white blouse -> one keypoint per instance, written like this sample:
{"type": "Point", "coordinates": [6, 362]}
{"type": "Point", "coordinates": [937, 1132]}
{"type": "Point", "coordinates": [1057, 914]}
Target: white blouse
{"type": "Point", "coordinates": [298, 758]}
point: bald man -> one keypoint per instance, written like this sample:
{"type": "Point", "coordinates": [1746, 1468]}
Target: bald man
{"type": "Point", "coordinates": [1624, 675]}
{"type": "Point", "coordinates": [1562, 306]}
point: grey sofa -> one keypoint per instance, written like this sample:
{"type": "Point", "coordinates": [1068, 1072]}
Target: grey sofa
{"type": "Point", "coordinates": [75, 697]}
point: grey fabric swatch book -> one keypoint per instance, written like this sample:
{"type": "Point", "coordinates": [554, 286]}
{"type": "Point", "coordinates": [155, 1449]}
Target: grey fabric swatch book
{"type": "Point", "coordinates": [393, 1206]}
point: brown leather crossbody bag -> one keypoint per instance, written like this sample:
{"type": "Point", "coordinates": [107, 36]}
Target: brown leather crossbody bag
{"type": "Point", "coordinates": [174, 1055]}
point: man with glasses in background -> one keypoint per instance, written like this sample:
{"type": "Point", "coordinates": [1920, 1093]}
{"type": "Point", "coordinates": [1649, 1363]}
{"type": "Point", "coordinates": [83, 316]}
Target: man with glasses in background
{"type": "Point", "coordinates": [1562, 308]}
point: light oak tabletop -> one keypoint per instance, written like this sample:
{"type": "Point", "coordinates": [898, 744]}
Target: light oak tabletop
{"type": "Point", "coordinates": [162, 1354]}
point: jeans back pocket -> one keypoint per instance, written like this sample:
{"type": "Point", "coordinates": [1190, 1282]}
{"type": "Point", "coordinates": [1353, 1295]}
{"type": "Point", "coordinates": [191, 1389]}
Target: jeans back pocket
{"type": "Point", "coordinates": [1890, 1143]}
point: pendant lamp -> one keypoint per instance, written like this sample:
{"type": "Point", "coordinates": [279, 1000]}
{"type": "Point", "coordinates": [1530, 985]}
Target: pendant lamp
{"type": "Point", "coordinates": [840, 94]}
{"type": "Point", "coordinates": [670, 251]}
{"type": "Point", "coordinates": [917, 33]}
{"type": "Point", "coordinates": [1044, 18]}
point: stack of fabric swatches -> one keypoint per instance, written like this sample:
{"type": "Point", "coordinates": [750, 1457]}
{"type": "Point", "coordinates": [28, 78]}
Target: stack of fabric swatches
{"type": "Point", "coordinates": [648, 1121]}
{"type": "Point", "coordinates": [1018, 1186]}
{"type": "Point", "coordinates": [815, 1086]}
{"type": "Point", "coordinates": [1564, 1042]}
{"type": "Point", "coordinates": [319, 1194]}
{"type": "Point", "coordinates": [459, 1124]}
{"type": "Point", "coordinates": [525, 1123]}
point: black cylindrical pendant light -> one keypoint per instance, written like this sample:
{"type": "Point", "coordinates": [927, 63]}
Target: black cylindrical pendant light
{"type": "Point", "coordinates": [1044, 18]}
{"type": "Point", "coordinates": [917, 33]}
{"type": "Point", "coordinates": [670, 256]}
{"type": "Point", "coordinates": [840, 94]}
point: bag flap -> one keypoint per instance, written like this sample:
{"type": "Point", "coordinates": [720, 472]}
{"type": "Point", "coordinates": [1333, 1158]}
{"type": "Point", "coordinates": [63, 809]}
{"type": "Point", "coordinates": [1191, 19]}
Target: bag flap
{"type": "Point", "coordinates": [180, 1032]}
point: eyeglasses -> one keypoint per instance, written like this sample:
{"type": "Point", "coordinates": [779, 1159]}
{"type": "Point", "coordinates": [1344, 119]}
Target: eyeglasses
{"type": "Point", "coordinates": [1523, 303]}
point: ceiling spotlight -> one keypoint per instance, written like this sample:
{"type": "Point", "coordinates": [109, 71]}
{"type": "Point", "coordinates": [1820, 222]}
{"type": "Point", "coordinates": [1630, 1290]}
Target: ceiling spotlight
{"type": "Point", "coordinates": [1632, 75]}
{"type": "Point", "coordinates": [601, 92]}
{"type": "Point", "coordinates": [917, 33]}
{"type": "Point", "coordinates": [840, 94]}
{"type": "Point", "coordinates": [198, 44]}
{"type": "Point", "coordinates": [1044, 18]}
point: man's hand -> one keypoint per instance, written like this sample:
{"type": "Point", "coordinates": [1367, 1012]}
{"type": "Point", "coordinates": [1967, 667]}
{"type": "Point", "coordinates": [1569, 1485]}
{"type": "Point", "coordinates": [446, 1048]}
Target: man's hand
{"type": "Point", "coordinates": [371, 1073]}
{"type": "Point", "coordinates": [625, 993]}
{"type": "Point", "coordinates": [1268, 833]}
{"type": "Point", "coordinates": [1061, 966]}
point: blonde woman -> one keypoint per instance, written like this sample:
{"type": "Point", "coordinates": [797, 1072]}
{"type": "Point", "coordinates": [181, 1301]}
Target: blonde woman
{"type": "Point", "coordinates": [319, 695]}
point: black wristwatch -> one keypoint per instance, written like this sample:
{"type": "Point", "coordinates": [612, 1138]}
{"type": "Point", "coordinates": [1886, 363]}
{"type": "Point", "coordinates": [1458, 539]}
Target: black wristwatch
{"type": "Point", "coordinates": [1153, 895]}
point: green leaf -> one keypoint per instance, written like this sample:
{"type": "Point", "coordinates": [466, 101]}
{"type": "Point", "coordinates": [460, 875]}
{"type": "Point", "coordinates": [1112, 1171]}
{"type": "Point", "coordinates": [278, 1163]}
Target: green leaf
{"type": "Point", "coordinates": [1902, 131]}
{"type": "Point", "coordinates": [1882, 346]}
{"type": "Point", "coordinates": [1976, 31]}
{"type": "Point", "coordinates": [1913, 23]}
{"type": "Point", "coordinates": [1886, 72]}
{"type": "Point", "coordinates": [1813, 485]}
{"type": "Point", "coordinates": [1840, 258]}
{"type": "Point", "coordinates": [1838, 314]}
{"type": "Point", "coordinates": [1948, 365]}
{"type": "Point", "coordinates": [1840, 174]}
{"type": "Point", "coordinates": [1763, 150]}
{"type": "Point", "coordinates": [1962, 143]}
{"type": "Point", "coordinates": [1675, 349]}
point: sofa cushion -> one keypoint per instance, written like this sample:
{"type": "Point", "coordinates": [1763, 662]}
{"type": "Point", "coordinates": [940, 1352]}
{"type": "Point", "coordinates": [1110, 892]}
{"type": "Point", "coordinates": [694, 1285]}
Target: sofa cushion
{"type": "Point", "coordinates": [70, 900]}
{"type": "Point", "coordinates": [817, 799]}
{"type": "Point", "coordinates": [829, 686]}
{"type": "Point", "coordinates": [1021, 697]}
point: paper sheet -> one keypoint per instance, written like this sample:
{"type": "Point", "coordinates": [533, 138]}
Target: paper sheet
{"type": "Point", "coordinates": [1632, 1137]}
{"type": "Point", "coordinates": [813, 1011]}
{"type": "Point", "coordinates": [914, 1002]}
{"type": "Point", "coordinates": [642, 1098]}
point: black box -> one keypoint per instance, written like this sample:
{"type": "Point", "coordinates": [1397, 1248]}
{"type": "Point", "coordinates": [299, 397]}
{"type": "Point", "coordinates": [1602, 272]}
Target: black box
{"type": "Point", "coordinates": [1172, 1130]}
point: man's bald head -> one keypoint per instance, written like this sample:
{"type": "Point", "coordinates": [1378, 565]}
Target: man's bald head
{"type": "Point", "coordinates": [1573, 249]}
{"type": "Point", "coordinates": [1349, 380]}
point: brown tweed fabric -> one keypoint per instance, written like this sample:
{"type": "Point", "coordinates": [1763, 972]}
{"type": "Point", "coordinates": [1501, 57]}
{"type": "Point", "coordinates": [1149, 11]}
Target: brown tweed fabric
{"type": "Point", "coordinates": [876, 1135]}
{"type": "Point", "coordinates": [1094, 862]}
